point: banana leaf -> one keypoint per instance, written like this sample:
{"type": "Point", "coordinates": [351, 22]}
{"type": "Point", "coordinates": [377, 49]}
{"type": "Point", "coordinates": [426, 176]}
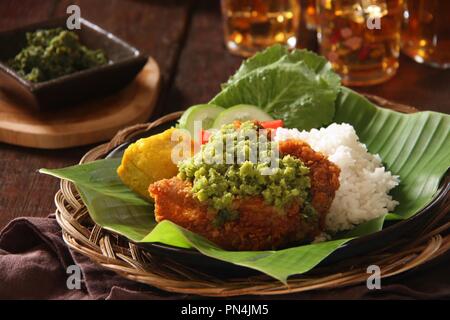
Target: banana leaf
{"type": "Point", "coordinates": [414, 146]}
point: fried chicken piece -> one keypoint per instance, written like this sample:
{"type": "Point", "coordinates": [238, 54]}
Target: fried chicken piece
{"type": "Point", "coordinates": [259, 226]}
{"type": "Point", "coordinates": [324, 174]}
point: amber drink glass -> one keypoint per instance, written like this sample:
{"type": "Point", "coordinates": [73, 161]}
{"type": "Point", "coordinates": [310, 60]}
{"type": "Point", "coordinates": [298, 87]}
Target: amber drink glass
{"type": "Point", "coordinates": [252, 25]}
{"type": "Point", "coordinates": [361, 38]}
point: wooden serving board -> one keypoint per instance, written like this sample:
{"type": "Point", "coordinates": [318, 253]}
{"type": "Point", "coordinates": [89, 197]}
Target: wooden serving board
{"type": "Point", "coordinates": [86, 123]}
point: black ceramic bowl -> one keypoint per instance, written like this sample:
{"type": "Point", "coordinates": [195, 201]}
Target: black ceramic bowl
{"type": "Point", "coordinates": [391, 232]}
{"type": "Point", "coordinates": [125, 62]}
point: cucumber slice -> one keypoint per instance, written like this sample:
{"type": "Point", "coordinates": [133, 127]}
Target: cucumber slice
{"type": "Point", "coordinates": [206, 113]}
{"type": "Point", "coordinates": [242, 112]}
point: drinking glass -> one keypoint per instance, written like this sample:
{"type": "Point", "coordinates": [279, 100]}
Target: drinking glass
{"type": "Point", "coordinates": [252, 25]}
{"type": "Point", "coordinates": [310, 14]}
{"type": "Point", "coordinates": [426, 32]}
{"type": "Point", "coordinates": [361, 38]}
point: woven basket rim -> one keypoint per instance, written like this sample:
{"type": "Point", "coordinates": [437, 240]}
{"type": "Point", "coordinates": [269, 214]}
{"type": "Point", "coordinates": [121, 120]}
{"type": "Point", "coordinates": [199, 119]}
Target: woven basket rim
{"type": "Point", "coordinates": [116, 253]}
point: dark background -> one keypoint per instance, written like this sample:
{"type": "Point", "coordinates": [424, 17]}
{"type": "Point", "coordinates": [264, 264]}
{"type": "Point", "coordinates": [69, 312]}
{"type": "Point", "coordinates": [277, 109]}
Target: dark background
{"type": "Point", "coordinates": [186, 39]}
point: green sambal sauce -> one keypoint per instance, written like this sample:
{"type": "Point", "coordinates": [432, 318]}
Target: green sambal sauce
{"type": "Point", "coordinates": [52, 53]}
{"type": "Point", "coordinates": [219, 184]}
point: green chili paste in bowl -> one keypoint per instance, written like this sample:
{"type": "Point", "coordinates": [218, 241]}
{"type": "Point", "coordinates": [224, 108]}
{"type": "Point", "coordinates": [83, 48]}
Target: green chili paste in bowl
{"type": "Point", "coordinates": [52, 53]}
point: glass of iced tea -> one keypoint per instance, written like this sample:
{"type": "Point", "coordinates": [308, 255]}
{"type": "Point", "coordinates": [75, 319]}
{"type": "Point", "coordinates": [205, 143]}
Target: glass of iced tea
{"type": "Point", "coordinates": [426, 32]}
{"type": "Point", "coordinates": [252, 25]}
{"type": "Point", "coordinates": [309, 14]}
{"type": "Point", "coordinates": [361, 38]}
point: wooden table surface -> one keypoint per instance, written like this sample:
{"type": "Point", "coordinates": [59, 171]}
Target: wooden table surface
{"type": "Point", "coordinates": [185, 37]}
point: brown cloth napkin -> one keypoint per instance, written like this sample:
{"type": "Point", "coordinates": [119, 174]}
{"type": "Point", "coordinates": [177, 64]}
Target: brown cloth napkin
{"type": "Point", "coordinates": [34, 260]}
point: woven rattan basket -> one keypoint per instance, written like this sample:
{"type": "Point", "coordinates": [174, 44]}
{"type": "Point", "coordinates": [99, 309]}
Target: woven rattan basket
{"type": "Point", "coordinates": [116, 253]}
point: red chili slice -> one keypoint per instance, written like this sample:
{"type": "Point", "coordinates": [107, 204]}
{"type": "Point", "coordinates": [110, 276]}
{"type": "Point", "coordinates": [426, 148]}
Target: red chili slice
{"type": "Point", "coordinates": [274, 124]}
{"type": "Point", "coordinates": [204, 136]}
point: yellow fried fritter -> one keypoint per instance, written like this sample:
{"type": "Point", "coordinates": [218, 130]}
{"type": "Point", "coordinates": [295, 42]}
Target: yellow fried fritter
{"type": "Point", "coordinates": [148, 160]}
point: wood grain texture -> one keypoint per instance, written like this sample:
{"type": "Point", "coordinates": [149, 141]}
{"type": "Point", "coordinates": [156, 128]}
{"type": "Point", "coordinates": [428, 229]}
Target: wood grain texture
{"type": "Point", "coordinates": [91, 122]}
{"type": "Point", "coordinates": [156, 27]}
{"type": "Point", "coordinates": [204, 62]}
{"type": "Point", "coordinates": [417, 85]}
{"type": "Point", "coordinates": [187, 42]}
{"type": "Point", "coordinates": [13, 15]}
{"type": "Point", "coordinates": [18, 179]}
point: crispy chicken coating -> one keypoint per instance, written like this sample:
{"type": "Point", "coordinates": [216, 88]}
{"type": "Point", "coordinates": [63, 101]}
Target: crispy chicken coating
{"type": "Point", "coordinates": [259, 226]}
{"type": "Point", "coordinates": [324, 174]}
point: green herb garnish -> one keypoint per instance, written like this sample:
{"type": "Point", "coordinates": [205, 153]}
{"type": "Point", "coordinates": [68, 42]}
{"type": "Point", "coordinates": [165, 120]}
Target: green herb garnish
{"type": "Point", "coordinates": [53, 53]}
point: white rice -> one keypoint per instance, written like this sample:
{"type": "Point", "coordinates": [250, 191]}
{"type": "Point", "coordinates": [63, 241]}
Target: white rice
{"type": "Point", "coordinates": [364, 181]}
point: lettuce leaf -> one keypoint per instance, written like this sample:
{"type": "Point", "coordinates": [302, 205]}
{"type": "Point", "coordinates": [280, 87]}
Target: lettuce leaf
{"type": "Point", "coordinates": [280, 54]}
{"type": "Point", "coordinates": [298, 87]}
